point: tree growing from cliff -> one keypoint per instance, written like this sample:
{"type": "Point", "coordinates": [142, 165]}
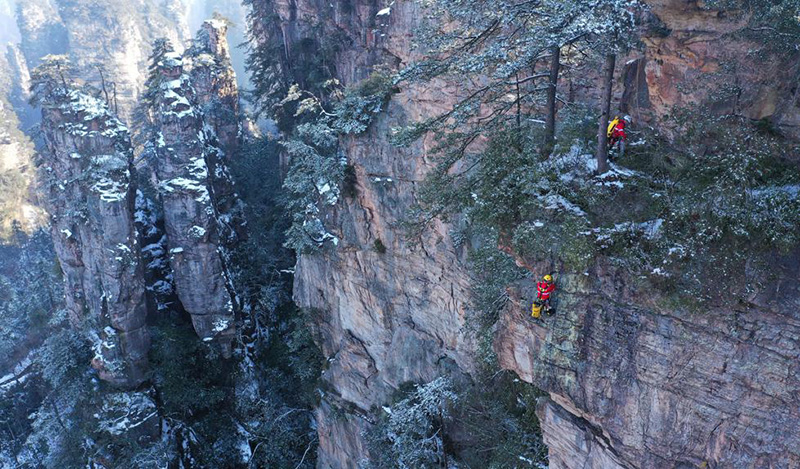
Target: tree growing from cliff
{"type": "Point", "coordinates": [497, 55]}
{"type": "Point", "coordinates": [412, 434]}
{"type": "Point", "coordinates": [143, 119]}
{"type": "Point", "coordinates": [51, 79]}
{"type": "Point", "coordinates": [618, 25]}
{"type": "Point", "coordinates": [317, 165]}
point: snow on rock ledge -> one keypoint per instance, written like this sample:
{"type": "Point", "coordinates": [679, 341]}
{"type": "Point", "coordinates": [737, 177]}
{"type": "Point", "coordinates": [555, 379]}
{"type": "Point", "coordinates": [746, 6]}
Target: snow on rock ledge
{"type": "Point", "coordinates": [86, 171]}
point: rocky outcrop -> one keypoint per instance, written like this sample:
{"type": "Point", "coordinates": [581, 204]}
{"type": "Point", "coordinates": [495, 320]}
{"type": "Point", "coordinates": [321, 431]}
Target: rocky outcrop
{"type": "Point", "coordinates": [214, 80]}
{"type": "Point", "coordinates": [86, 172]}
{"type": "Point", "coordinates": [191, 218]}
{"type": "Point", "coordinates": [18, 207]}
{"type": "Point", "coordinates": [217, 92]}
{"type": "Point", "coordinates": [695, 54]}
{"type": "Point", "coordinates": [42, 31]}
{"type": "Point", "coordinates": [635, 384]}
{"type": "Point", "coordinates": [107, 41]}
{"type": "Point", "coordinates": [382, 318]}
{"type": "Point", "coordinates": [631, 384]}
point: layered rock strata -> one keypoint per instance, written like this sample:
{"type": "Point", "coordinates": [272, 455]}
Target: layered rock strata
{"type": "Point", "coordinates": [382, 318]}
{"type": "Point", "coordinates": [634, 384]}
{"type": "Point", "coordinates": [386, 318]}
{"type": "Point", "coordinates": [86, 174]}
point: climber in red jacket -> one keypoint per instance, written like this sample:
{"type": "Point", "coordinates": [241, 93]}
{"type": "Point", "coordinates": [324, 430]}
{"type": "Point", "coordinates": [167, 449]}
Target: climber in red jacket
{"type": "Point", "coordinates": [616, 133]}
{"type": "Point", "coordinates": [544, 289]}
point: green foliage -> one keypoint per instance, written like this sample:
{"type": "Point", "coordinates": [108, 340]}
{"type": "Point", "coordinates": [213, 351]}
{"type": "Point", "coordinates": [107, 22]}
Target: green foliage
{"type": "Point", "coordinates": [187, 373]}
{"type": "Point", "coordinates": [734, 197]}
{"type": "Point", "coordinates": [275, 408]}
{"type": "Point", "coordinates": [492, 272]}
{"type": "Point", "coordinates": [272, 72]}
{"type": "Point", "coordinates": [494, 55]}
{"type": "Point", "coordinates": [410, 434]}
{"type": "Point", "coordinates": [63, 359]}
{"type": "Point", "coordinates": [31, 294]}
{"type": "Point", "coordinates": [143, 118]}
{"type": "Point", "coordinates": [280, 435]}
{"type": "Point", "coordinates": [50, 81]}
{"type": "Point", "coordinates": [315, 174]}
{"type": "Point", "coordinates": [360, 104]}
{"type": "Point", "coordinates": [261, 258]}
{"type": "Point", "coordinates": [277, 382]}
{"type": "Point", "coordinates": [317, 169]}
{"type": "Point", "coordinates": [58, 427]}
{"type": "Point", "coordinates": [497, 416]}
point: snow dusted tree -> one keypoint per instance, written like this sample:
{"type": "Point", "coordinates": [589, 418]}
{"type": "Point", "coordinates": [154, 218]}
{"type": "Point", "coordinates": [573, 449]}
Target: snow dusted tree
{"type": "Point", "coordinates": [506, 57]}
{"type": "Point", "coordinates": [412, 435]}
{"type": "Point", "coordinates": [317, 165]}
{"type": "Point", "coordinates": [614, 22]}
{"type": "Point", "coordinates": [51, 79]}
{"type": "Point", "coordinates": [144, 122]}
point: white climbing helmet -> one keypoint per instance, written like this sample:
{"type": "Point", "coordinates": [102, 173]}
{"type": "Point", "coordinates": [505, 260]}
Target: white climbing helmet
{"type": "Point", "coordinates": [627, 119]}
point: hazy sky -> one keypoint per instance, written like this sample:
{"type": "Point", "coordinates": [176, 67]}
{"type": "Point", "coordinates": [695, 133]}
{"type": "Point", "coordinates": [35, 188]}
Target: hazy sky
{"type": "Point", "coordinates": [8, 25]}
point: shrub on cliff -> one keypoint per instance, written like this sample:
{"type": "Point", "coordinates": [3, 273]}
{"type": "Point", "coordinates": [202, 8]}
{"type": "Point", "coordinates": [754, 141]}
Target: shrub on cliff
{"type": "Point", "coordinates": [317, 167]}
{"type": "Point", "coordinates": [411, 432]}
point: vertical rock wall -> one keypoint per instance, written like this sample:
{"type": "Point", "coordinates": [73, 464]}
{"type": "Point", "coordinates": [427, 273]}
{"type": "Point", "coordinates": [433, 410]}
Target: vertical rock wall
{"type": "Point", "coordinates": [190, 215]}
{"type": "Point", "coordinates": [217, 92]}
{"type": "Point", "coordinates": [86, 172]}
{"type": "Point", "coordinates": [625, 391]}
{"type": "Point", "coordinates": [382, 318]}
{"type": "Point", "coordinates": [635, 384]}
{"type": "Point", "coordinates": [18, 206]}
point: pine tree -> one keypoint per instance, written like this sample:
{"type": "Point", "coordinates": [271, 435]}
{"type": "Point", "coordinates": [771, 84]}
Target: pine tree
{"type": "Point", "coordinates": [615, 23]}
{"type": "Point", "coordinates": [51, 80]}
{"type": "Point", "coordinates": [144, 122]}
{"type": "Point", "coordinates": [506, 56]}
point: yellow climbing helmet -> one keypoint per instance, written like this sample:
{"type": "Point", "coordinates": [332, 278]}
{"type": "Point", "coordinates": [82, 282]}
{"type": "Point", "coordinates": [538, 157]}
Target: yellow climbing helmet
{"type": "Point", "coordinates": [548, 278]}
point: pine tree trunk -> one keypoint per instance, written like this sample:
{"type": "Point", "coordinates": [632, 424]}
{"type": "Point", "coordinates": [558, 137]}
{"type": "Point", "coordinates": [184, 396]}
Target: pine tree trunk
{"type": "Point", "coordinates": [602, 135]}
{"type": "Point", "coordinates": [550, 125]}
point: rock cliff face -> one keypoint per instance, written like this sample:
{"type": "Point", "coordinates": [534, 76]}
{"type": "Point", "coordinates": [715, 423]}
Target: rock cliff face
{"type": "Point", "coordinates": [214, 80]}
{"type": "Point", "coordinates": [635, 384]}
{"type": "Point", "coordinates": [191, 218]}
{"type": "Point", "coordinates": [17, 201]}
{"type": "Point", "coordinates": [384, 318]}
{"type": "Point", "coordinates": [696, 54]}
{"type": "Point", "coordinates": [86, 171]}
{"type": "Point", "coordinates": [631, 383]}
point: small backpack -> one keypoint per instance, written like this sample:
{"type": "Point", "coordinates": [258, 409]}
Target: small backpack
{"type": "Point", "coordinates": [612, 124]}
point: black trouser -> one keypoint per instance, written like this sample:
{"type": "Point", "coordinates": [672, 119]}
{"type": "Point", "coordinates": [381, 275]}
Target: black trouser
{"type": "Point", "coordinates": [613, 141]}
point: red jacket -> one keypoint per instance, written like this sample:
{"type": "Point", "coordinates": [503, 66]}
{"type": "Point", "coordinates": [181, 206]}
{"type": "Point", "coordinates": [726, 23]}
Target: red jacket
{"type": "Point", "coordinates": [619, 131]}
{"type": "Point", "coordinates": [544, 289]}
